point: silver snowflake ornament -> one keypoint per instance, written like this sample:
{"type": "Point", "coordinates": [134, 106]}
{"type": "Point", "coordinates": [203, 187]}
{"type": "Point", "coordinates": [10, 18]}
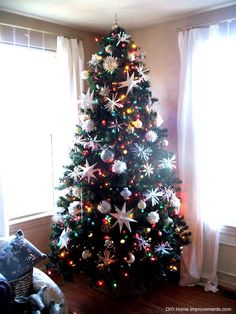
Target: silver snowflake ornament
{"type": "Point", "coordinates": [92, 143]}
{"type": "Point", "coordinates": [116, 125]}
{"type": "Point", "coordinates": [94, 60]}
{"type": "Point", "coordinates": [113, 103]}
{"type": "Point", "coordinates": [168, 193]}
{"type": "Point", "coordinates": [104, 91]}
{"type": "Point", "coordinates": [142, 244]}
{"type": "Point", "coordinates": [142, 73]}
{"type": "Point", "coordinates": [122, 37]}
{"type": "Point", "coordinates": [163, 248]}
{"type": "Point", "coordinates": [153, 195]}
{"type": "Point", "coordinates": [169, 163]}
{"type": "Point", "coordinates": [140, 151]}
{"type": "Point", "coordinates": [148, 169]}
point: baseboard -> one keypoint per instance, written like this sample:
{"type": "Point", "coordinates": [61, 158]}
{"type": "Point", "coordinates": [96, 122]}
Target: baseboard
{"type": "Point", "coordinates": [227, 280]}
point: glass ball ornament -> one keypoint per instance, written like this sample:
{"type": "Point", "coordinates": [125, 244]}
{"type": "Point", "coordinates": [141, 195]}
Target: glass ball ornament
{"type": "Point", "coordinates": [164, 142]}
{"type": "Point", "coordinates": [138, 124]}
{"type": "Point", "coordinates": [107, 155]}
{"type": "Point", "coordinates": [108, 49]}
{"type": "Point", "coordinates": [142, 204]}
{"type": "Point", "coordinates": [125, 193]}
{"type": "Point", "coordinates": [130, 258]}
{"type": "Point", "coordinates": [86, 254]}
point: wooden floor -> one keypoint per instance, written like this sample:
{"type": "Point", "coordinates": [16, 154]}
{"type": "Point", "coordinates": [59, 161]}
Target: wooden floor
{"type": "Point", "coordinates": [168, 298]}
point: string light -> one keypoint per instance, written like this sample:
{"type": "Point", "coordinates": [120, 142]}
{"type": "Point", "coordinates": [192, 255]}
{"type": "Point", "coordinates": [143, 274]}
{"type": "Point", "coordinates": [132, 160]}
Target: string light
{"type": "Point", "coordinates": [100, 283]}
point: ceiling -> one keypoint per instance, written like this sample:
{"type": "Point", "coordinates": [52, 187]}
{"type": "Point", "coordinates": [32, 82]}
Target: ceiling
{"type": "Point", "coordinates": [98, 15]}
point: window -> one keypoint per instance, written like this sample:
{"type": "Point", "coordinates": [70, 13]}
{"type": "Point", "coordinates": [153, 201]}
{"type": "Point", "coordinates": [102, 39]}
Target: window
{"type": "Point", "coordinates": [214, 69]}
{"type": "Point", "coordinates": [29, 115]}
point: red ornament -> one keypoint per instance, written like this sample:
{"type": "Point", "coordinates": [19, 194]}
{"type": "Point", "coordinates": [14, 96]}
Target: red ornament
{"type": "Point", "coordinates": [104, 122]}
{"type": "Point", "coordinates": [123, 45]}
{"type": "Point", "coordinates": [85, 153]}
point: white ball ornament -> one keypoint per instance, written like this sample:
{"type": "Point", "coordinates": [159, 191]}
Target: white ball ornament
{"type": "Point", "coordinates": [104, 207]}
{"type": "Point", "coordinates": [85, 74]}
{"type": "Point", "coordinates": [164, 142]}
{"type": "Point", "coordinates": [153, 217]}
{"type": "Point", "coordinates": [107, 155]}
{"type": "Point", "coordinates": [119, 167]}
{"type": "Point", "coordinates": [125, 193]}
{"type": "Point", "coordinates": [86, 254]}
{"type": "Point", "coordinates": [131, 56]}
{"type": "Point", "coordinates": [151, 136]}
{"type": "Point", "coordinates": [88, 125]}
{"type": "Point", "coordinates": [142, 204]}
{"type": "Point", "coordinates": [73, 207]}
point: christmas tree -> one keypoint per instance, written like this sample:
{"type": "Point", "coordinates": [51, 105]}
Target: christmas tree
{"type": "Point", "coordinates": [118, 219]}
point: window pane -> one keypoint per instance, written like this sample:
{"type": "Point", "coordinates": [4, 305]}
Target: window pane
{"type": "Point", "coordinates": [214, 104]}
{"type": "Point", "coordinates": [27, 114]}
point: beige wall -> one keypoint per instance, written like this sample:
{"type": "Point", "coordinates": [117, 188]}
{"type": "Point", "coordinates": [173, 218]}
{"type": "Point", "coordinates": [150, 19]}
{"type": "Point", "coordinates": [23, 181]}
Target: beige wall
{"type": "Point", "coordinates": [160, 42]}
{"type": "Point", "coordinates": [89, 43]}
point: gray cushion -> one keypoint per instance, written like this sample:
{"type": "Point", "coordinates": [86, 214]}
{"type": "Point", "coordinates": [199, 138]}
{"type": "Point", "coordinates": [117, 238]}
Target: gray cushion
{"type": "Point", "coordinates": [18, 256]}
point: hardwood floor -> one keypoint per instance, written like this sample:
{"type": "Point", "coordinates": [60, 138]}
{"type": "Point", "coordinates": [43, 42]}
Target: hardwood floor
{"type": "Point", "coordinates": [168, 298]}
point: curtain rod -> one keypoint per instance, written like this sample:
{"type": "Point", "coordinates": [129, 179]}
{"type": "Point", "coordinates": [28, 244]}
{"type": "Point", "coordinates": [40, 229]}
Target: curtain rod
{"type": "Point", "coordinates": [180, 29]}
{"type": "Point", "coordinates": [40, 31]}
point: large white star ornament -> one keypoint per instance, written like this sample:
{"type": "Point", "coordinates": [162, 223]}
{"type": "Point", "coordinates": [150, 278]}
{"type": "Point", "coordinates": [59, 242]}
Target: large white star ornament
{"type": "Point", "coordinates": [63, 240]}
{"type": "Point", "coordinates": [87, 171]}
{"type": "Point", "coordinates": [123, 217]}
{"type": "Point", "coordinates": [87, 100]}
{"type": "Point", "coordinates": [129, 83]}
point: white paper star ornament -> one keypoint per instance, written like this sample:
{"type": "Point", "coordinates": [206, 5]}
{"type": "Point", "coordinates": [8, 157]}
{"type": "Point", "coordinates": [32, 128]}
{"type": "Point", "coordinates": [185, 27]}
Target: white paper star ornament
{"type": "Point", "coordinates": [87, 171]}
{"type": "Point", "coordinates": [129, 83]}
{"type": "Point", "coordinates": [63, 240]}
{"type": "Point", "coordinates": [87, 101]}
{"type": "Point", "coordinates": [123, 217]}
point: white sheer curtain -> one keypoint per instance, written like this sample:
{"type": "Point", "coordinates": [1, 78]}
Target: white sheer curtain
{"type": "Point", "coordinates": [4, 227]}
{"type": "Point", "coordinates": [205, 94]}
{"type": "Point", "coordinates": [70, 56]}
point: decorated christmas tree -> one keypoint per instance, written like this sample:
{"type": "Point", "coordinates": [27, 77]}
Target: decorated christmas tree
{"type": "Point", "coordinates": [118, 218]}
